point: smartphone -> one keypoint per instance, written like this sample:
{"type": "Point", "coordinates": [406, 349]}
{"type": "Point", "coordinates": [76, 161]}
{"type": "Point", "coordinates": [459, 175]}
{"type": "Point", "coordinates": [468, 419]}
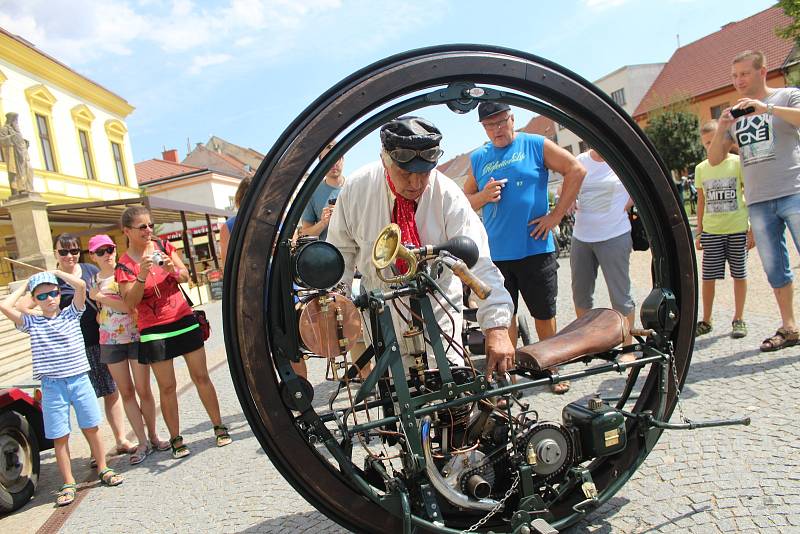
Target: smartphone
{"type": "Point", "coordinates": [736, 113]}
{"type": "Point", "coordinates": [332, 201]}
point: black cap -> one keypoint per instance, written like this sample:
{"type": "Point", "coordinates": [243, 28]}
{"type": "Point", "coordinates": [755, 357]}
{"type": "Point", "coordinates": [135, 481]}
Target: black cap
{"type": "Point", "coordinates": [415, 133]}
{"type": "Point", "coordinates": [487, 109]}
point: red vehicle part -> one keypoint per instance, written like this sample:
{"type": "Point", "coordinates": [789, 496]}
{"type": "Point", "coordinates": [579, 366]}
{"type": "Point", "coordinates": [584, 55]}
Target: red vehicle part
{"type": "Point", "coordinates": [21, 440]}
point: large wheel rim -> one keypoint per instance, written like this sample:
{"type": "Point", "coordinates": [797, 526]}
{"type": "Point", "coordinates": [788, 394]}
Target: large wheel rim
{"type": "Point", "coordinates": [15, 460]}
{"type": "Point", "coordinates": [587, 110]}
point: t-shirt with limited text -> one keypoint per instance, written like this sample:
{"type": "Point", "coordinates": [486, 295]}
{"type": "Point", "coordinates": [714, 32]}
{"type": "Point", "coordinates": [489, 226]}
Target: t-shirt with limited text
{"type": "Point", "coordinates": [162, 301]}
{"type": "Point", "coordinates": [523, 198]}
{"type": "Point", "coordinates": [769, 148]}
{"type": "Point", "coordinates": [724, 211]}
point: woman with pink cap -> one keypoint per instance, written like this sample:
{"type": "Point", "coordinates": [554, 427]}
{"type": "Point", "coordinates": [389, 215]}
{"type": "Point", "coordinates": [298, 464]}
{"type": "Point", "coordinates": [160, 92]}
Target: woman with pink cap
{"type": "Point", "coordinates": [119, 348]}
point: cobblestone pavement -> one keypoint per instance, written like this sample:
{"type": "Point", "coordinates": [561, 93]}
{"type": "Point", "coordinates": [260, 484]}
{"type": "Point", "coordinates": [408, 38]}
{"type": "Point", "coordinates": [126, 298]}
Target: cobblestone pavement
{"type": "Point", "coordinates": [744, 479]}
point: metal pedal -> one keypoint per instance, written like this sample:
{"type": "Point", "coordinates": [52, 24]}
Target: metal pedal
{"type": "Point", "coordinates": [540, 526]}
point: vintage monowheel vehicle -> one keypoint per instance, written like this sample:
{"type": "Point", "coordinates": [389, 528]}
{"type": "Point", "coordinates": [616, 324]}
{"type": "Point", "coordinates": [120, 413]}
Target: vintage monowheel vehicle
{"type": "Point", "coordinates": [429, 446]}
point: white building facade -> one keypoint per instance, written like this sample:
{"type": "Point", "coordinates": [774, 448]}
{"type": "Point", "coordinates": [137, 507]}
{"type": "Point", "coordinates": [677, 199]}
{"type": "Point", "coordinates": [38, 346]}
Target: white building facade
{"type": "Point", "coordinates": [79, 144]}
{"type": "Point", "coordinates": [626, 86]}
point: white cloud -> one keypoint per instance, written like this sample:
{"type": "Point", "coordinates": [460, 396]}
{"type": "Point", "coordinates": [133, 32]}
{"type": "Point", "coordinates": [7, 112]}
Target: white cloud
{"type": "Point", "coordinates": [74, 32]}
{"type": "Point", "coordinates": [200, 62]}
{"type": "Point", "coordinates": [599, 5]}
{"type": "Point", "coordinates": [80, 31]}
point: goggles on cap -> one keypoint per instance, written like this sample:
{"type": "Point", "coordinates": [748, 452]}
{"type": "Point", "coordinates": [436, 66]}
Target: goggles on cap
{"type": "Point", "coordinates": [404, 155]}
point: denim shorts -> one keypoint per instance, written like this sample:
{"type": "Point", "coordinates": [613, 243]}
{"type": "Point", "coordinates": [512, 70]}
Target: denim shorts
{"type": "Point", "coordinates": [769, 221]}
{"type": "Point", "coordinates": [57, 396]}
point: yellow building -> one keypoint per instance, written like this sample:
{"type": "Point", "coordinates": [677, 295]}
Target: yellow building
{"type": "Point", "coordinates": [79, 145]}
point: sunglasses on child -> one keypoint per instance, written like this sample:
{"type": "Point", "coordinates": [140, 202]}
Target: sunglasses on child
{"type": "Point", "coordinates": [67, 251]}
{"type": "Point", "coordinates": [43, 296]}
{"type": "Point", "coordinates": [102, 251]}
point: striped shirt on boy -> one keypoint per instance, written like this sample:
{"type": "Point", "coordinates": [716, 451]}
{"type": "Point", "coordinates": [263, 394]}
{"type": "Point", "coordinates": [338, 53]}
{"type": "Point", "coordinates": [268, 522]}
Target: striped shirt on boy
{"type": "Point", "coordinates": [56, 344]}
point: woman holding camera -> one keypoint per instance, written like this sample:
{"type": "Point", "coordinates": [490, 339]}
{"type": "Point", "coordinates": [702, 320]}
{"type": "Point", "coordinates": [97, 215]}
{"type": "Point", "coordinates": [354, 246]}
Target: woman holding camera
{"type": "Point", "coordinates": [148, 275]}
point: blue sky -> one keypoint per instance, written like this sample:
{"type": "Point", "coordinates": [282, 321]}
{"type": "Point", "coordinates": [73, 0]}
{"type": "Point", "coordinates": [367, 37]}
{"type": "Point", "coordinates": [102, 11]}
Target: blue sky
{"type": "Point", "coordinates": [243, 69]}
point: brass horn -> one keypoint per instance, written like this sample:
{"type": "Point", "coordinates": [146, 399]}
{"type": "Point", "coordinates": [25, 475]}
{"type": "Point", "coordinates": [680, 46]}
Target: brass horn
{"type": "Point", "coordinates": [387, 248]}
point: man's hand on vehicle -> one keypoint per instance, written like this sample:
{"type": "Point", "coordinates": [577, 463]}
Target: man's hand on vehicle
{"type": "Point", "coordinates": [499, 351]}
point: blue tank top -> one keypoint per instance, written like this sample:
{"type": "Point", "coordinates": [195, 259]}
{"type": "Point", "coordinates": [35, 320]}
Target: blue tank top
{"type": "Point", "coordinates": [523, 198]}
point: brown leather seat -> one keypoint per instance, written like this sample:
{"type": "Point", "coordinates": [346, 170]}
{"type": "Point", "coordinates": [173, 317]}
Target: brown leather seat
{"type": "Point", "coordinates": [596, 331]}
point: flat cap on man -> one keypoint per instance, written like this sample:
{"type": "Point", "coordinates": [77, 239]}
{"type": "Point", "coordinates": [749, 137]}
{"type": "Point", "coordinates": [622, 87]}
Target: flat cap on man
{"type": "Point", "coordinates": [487, 109]}
{"type": "Point", "coordinates": [413, 133]}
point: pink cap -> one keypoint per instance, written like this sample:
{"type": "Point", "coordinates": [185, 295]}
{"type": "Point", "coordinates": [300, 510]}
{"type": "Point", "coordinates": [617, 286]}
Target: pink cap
{"type": "Point", "coordinates": [100, 240]}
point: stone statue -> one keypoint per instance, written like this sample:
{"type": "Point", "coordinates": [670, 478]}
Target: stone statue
{"type": "Point", "coordinates": [15, 155]}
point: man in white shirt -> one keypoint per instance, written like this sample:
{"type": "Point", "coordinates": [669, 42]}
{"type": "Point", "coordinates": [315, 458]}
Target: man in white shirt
{"type": "Point", "coordinates": [430, 208]}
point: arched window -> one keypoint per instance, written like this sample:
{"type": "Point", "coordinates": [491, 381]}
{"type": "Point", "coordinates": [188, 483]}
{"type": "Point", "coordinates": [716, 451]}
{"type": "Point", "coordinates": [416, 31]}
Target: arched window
{"type": "Point", "coordinates": [115, 130]}
{"type": "Point", "coordinates": [83, 117]}
{"type": "Point", "coordinates": [40, 101]}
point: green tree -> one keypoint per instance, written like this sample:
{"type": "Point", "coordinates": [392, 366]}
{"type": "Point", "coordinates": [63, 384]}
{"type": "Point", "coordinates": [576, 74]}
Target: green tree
{"type": "Point", "coordinates": [792, 10]}
{"type": "Point", "coordinates": [676, 135]}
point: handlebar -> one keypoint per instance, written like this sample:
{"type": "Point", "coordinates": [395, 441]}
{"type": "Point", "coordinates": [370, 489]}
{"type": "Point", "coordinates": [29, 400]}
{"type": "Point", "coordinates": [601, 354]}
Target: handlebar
{"type": "Point", "coordinates": [460, 269]}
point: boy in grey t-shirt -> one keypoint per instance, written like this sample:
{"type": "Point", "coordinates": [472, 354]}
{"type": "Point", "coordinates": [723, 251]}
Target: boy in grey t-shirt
{"type": "Point", "coordinates": [765, 127]}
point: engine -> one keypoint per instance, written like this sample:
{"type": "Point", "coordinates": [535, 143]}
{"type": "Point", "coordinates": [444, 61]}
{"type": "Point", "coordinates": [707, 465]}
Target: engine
{"type": "Point", "coordinates": [472, 460]}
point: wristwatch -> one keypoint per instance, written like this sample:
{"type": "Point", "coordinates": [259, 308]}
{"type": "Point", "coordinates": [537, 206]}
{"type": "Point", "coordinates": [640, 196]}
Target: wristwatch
{"type": "Point", "coordinates": [770, 109]}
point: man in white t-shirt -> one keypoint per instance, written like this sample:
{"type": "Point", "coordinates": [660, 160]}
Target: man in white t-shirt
{"type": "Point", "coordinates": [766, 130]}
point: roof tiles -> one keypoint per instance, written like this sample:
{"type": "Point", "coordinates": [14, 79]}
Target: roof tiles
{"type": "Point", "coordinates": [154, 169]}
{"type": "Point", "coordinates": [705, 65]}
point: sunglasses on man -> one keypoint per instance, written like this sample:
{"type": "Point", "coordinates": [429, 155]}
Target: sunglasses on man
{"type": "Point", "coordinates": [404, 155]}
{"type": "Point", "coordinates": [102, 251]}
{"type": "Point", "coordinates": [41, 297]}
{"type": "Point", "coordinates": [67, 251]}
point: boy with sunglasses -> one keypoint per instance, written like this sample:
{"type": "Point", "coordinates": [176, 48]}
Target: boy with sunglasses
{"type": "Point", "coordinates": [60, 362]}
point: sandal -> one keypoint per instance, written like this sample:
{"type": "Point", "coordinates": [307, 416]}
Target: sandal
{"type": "Point", "coordinates": [560, 388]}
{"type": "Point", "coordinates": [179, 450]}
{"type": "Point", "coordinates": [121, 449]}
{"type": "Point", "coordinates": [139, 455]}
{"type": "Point", "coordinates": [738, 329]}
{"type": "Point", "coordinates": [159, 445]}
{"type": "Point", "coordinates": [109, 477]}
{"type": "Point", "coordinates": [702, 328]}
{"type": "Point", "coordinates": [783, 338]}
{"type": "Point", "coordinates": [66, 494]}
{"type": "Point", "coordinates": [222, 435]}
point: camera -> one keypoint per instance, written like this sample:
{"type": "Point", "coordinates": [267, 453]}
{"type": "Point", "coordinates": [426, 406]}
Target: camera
{"type": "Point", "coordinates": [158, 258]}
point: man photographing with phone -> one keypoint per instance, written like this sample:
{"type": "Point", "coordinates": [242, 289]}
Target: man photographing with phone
{"type": "Point", "coordinates": [318, 211]}
{"type": "Point", "coordinates": [764, 124]}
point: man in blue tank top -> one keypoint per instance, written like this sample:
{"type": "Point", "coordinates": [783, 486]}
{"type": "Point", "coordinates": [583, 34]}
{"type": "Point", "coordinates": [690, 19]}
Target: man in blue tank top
{"type": "Point", "coordinates": [508, 179]}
